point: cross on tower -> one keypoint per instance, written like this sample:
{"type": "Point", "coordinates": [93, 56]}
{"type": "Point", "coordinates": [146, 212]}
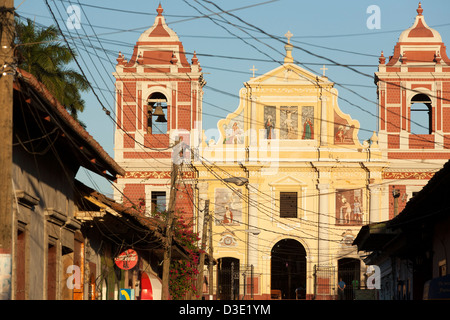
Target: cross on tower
{"type": "Point", "coordinates": [288, 35]}
{"type": "Point", "coordinates": [253, 69]}
{"type": "Point", "coordinates": [324, 69]}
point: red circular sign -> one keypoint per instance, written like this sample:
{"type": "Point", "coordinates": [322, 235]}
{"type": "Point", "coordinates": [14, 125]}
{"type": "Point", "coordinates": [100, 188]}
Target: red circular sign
{"type": "Point", "coordinates": [127, 259]}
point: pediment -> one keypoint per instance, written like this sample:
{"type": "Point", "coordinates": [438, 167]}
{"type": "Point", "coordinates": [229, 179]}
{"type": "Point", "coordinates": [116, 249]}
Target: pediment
{"type": "Point", "coordinates": [287, 181]}
{"type": "Point", "coordinates": [288, 74]}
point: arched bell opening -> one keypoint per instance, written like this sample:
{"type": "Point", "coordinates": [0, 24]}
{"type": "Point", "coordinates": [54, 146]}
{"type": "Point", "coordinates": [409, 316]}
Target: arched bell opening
{"type": "Point", "coordinates": [157, 113]}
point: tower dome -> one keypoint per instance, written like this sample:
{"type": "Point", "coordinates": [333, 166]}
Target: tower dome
{"type": "Point", "coordinates": [419, 45]}
{"type": "Point", "coordinates": [420, 31]}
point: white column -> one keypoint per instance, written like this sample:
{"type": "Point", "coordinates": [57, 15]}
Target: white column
{"type": "Point", "coordinates": [203, 196]}
{"type": "Point", "coordinates": [252, 245]}
{"type": "Point", "coordinates": [323, 122]}
{"type": "Point", "coordinates": [374, 209]}
{"type": "Point", "coordinates": [323, 256]}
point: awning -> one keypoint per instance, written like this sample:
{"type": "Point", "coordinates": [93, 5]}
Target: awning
{"type": "Point", "coordinates": [151, 287]}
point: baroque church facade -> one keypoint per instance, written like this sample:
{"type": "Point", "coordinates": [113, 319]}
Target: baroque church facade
{"type": "Point", "coordinates": [287, 185]}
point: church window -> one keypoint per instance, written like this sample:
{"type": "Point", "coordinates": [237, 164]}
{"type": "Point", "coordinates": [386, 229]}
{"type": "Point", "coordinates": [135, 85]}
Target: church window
{"type": "Point", "coordinates": [288, 204]}
{"type": "Point", "coordinates": [421, 114]}
{"type": "Point", "coordinates": [158, 201]}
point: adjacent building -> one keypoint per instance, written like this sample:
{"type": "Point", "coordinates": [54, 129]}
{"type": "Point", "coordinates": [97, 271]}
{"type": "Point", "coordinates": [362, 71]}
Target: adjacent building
{"type": "Point", "coordinates": [49, 147]}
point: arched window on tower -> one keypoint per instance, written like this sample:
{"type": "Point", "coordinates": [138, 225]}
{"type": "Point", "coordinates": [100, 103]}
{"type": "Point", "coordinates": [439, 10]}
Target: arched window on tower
{"type": "Point", "coordinates": [421, 114]}
{"type": "Point", "coordinates": [157, 114]}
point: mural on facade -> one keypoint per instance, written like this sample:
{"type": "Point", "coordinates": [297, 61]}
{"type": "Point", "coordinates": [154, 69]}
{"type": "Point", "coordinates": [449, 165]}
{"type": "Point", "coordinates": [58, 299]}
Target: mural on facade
{"type": "Point", "coordinates": [289, 122]}
{"type": "Point", "coordinates": [228, 206]}
{"type": "Point", "coordinates": [349, 206]}
{"type": "Point", "coordinates": [270, 119]}
{"type": "Point", "coordinates": [308, 122]}
{"type": "Point", "coordinates": [343, 131]}
{"type": "Point", "coordinates": [234, 130]}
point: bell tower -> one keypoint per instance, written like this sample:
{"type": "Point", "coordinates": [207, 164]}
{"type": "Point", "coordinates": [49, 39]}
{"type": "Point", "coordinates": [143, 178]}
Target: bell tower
{"type": "Point", "coordinates": [158, 101]}
{"type": "Point", "coordinates": [413, 88]}
{"type": "Point", "coordinates": [413, 93]}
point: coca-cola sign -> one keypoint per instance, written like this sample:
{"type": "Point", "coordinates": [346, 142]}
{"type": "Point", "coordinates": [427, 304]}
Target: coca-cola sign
{"type": "Point", "coordinates": [127, 259]}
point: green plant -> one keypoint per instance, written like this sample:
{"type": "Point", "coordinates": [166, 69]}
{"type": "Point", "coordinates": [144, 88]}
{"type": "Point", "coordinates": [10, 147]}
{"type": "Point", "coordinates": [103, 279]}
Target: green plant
{"type": "Point", "coordinates": [184, 273]}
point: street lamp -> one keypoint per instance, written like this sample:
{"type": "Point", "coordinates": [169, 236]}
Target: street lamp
{"type": "Point", "coordinates": [239, 181]}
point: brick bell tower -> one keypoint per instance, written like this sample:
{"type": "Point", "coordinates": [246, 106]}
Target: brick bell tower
{"type": "Point", "coordinates": [413, 90]}
{"type": "Point", "coordinates": [158, 101]}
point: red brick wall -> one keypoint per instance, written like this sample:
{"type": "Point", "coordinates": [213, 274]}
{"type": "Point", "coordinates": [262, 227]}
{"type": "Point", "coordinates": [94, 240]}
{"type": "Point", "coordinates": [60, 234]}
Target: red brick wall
{"type": "Point", "coordinates": [184, 117]}
{"type": "Point", "coordinates": [393, 119]}
{"type": "Point", "coordinates": [132, 193]}
{"type": "Point", "coordinates": [146, 154]}
{"type": "Point", "coordinates": [184, 91]}
{"type": "Point", "coordinates": [421, 141]}
{"type": "Point", "coordinates": [446, 92]}
{"type": "Point", "coordinates": [393, 141]}
{"type": "Point", "coordinates": [185, 197]}
{"type": "Point", "coordinates": [128, 141]}
{"type": "Point", "coordinates": [129, 91]}
{"type": "Point", "coordinates": [129, 118]}
{"type": "Point", "coordinates": [447, 141]}
{"type": "Point", "coordinates": [401, 200]}
{"type": "Point", "coordinates": [156, 140]}
{"type": "Point", "coordinates": [446, 118]}
{"type": "Point", "coordinates": [393, 92]}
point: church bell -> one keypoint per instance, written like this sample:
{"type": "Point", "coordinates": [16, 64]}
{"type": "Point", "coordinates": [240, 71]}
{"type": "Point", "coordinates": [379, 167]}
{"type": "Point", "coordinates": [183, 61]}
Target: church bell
{"type": "Point", "coordinates": [160, 114]}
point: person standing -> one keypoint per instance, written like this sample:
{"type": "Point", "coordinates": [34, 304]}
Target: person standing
{"type": "Point", "coordinates": [341, 288]}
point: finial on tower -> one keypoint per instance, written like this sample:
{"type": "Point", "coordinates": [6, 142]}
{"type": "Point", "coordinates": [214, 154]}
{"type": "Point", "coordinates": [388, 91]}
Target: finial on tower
{"type": "Point", "coordinates": [419, 9]}
{"type": "Point", "coordinates": [160, 10]}
{"type": "Point", "coordinates": [288, 35]}
{"type": "Point", "coordinates": [382, 59]}
{"type": "Point", "coordinates": [194, 58]}
{"type": "Point", "coordinates": [288, 47]}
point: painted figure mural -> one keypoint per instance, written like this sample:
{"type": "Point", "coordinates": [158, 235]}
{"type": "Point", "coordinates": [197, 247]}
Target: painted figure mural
{"type": "Point", "coordinates": [234, 131]}
{"type": "Point", "coordinates": [289, 122]}
{"type": "Point", "coordinates": [269, 121]}
{"type": "Point", "coordinates": [308, 123]}
{"type": "Point", "coordinates": [349, 208]}
{"type": "Point", "coordinates": [228, 206]}
{"type": "Point", "coordinates": [343, 132]}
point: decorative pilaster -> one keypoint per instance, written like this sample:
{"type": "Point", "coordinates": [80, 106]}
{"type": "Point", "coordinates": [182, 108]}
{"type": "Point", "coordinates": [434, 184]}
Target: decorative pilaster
{"type": "Point", "coordinates": [252, 245]}
{"type": "Point", "coordinates": [323, 257]}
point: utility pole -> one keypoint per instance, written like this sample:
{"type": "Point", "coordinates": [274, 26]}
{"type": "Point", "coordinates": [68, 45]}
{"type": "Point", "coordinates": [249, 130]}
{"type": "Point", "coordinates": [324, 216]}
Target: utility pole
{"type": "Point", "coordinates": [169, 225]}
{"type": "Point", "coordinates": [6, 109]}
{"type": "Point", "coordinates": [210, 265]}
{"type": "Point", "coordinates": [206, 218]}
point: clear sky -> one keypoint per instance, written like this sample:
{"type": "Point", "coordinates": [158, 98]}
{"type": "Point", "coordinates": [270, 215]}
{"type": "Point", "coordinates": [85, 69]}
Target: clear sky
{"type": "Point", "coordinates": [346, 36]}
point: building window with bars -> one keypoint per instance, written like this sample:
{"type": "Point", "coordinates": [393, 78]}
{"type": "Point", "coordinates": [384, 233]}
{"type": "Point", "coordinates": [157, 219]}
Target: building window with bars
{"type": "Point", "coordinates": [288, 204]}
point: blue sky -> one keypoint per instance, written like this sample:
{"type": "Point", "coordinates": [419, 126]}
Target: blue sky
{"type": "Point", "coordinates": [228, 46]}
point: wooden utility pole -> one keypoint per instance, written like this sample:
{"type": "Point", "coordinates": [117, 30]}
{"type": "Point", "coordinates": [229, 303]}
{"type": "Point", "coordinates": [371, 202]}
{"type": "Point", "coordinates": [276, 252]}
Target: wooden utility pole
{"type": "Point", "coordinates": [210, 265]}
{"type": "Point", "coordinates": [6, 126]}
{"type": "Point", "coordinates": [169, 226]}
{"type": "Point", "coordinates": [201, 262]}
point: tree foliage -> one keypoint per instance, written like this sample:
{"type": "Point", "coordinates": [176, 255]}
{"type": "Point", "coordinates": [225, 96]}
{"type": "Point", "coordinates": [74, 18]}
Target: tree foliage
{"type": "Point", "coordinates": [41, 53]}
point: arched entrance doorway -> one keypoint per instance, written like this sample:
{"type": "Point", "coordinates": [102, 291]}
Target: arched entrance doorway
{"type": "Point", "coordinates": [349, 270]}
{"type": "Point", "coordinates": [288, 269]}
{"type": "Point", "coordinates": [228, 279]}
